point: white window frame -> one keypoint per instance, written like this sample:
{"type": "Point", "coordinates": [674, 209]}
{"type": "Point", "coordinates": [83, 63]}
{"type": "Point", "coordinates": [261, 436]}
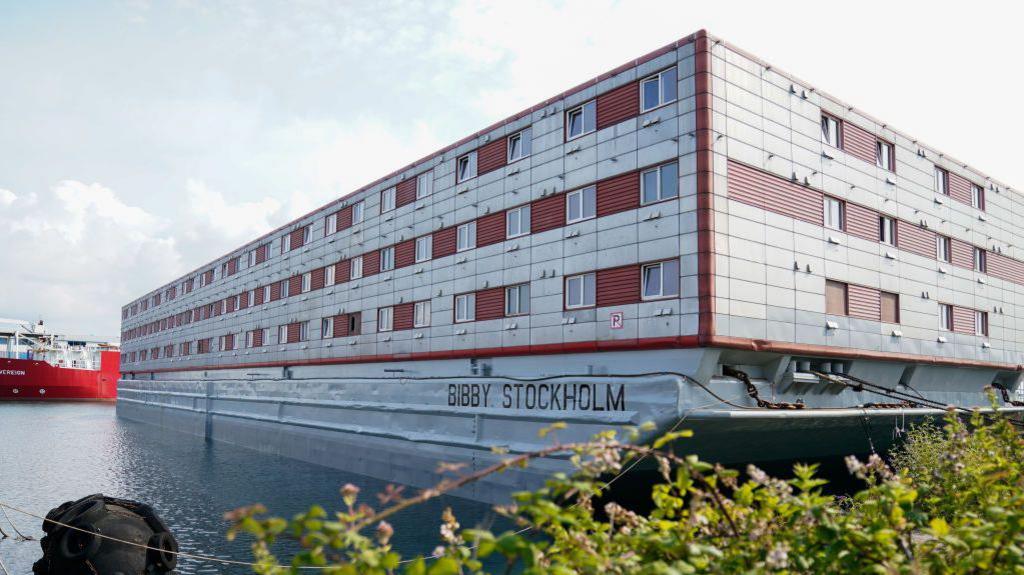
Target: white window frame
{"type": "Point", "coordinates": [286, 243]}
{"type": "Point", "coordinates": [465, 236]}
{"type": "Point", "coordinates": [660, 194]}
{"type": "Point", "coordinates": [356, 268]}
{"type": "Point", "coordinates": [282, 334]}
{"type": "Point", "coordinates": [582, 283]}
{"type": "Point", "coordinates": [327, 328]}
{"type": "Point", "coordinates": [514, 300]}
{"type": "Point", "coordinates": [304, 330]}
{"type": "Point", "coordinates": [832, 131]}
{"type": "Point", "coordinates": [586, 110]}
{"type": "Point", "coordinates": [387, 200]}
{"type": "Point", "coordinates": [661, 267]}
{"type": "Point", "coordinates": [517, 221]}
{"type": "Point", "coordinates": [252, 259]}
{"type": "Point", "coordinates": [251, 298]}
{"type": "Point", "coordinates": [386, 319]}
{"type": "Point", "coordinates": [945, 317]}
{"type": "Point", "coordinates": [885, 155]}
{"type": "Point", "coordinates": [834, 213]}
{"type": "Point", "coordinates": [250, 339]}
{"type": "Point", "coordinates": [980, 319]}
{"type": "Point", "coordinates": [977, 197]}
{"type": "Point", "coordinates": [943, 249]}
{"type": "Point", "coordinates": [266, 294]}
{"type": "Point", "coordinates": [580, 197]}
{"type": "Point", "coordinates": [424, 248]}
{"type": "Point", "coordinates": [980, 260]}
{"type": "Point", "coordinates": [306, 233]}
{"type": "Point", "coordinates": [525, 139]}
{"type": "Point", "coordinates": [664, 79]}
{"type": "Point", "coordinates": [329, 272]}
{"type": "Point", "coordinates": [387, 259]}
{"type": "Point", "coordinates": [266, 336]}
{"type": "Point", "coordinates": [307, 282]}
{"type": "Point", "coordinates": [285, 285]}
{"type": "Point", "coordinates": [421, 314]}
{"type": "Point", "coordinates": [424, 185]}
{"type": "Point", "coordinates": [941, 181]}
{"type": "Point", "coordinates": [887, 230]}
{"type": "Point", "coordinates": [465, 308]}
{"type": "Point", "coordinates": [358, 212]}
{"type": "Point", "coordinates": [465, 167]}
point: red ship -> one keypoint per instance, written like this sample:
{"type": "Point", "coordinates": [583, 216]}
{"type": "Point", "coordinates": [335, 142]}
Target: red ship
{"type": "Point", "coordinates": [39, 366]}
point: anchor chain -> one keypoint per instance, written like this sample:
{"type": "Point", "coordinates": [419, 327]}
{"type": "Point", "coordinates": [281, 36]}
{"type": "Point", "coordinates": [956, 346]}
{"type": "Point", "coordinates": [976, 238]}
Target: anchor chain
{"type": "Point", "coordinates": [755, 395]}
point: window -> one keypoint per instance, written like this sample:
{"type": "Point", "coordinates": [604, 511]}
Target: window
{"type": "Point", "coordinates": [353, 324]}
{"type": "Point", "coordinates": [520, 145]}
{"type": "Point", "coordinates": [942, 249]}
{"type": "Point", "coordinates": [517, 221]}
{"type": "Point", "coordinates": [266, 294]}
{"type": "Point", "coordinates": [305, 235]}
{"type": "Point", "coordinates": [329, 275]}
{"type": "Point", "coordinates": [424, 248]}
{"type": "Point", "coordinates": [890, 308]}
{"type": "Point", "coordinates": [465, 167]}
{"type": "Point", "coordinates": [465, 307]}
{"type": "Point", "coordinates": [946, 316]}
{"type": "Point", "coordinates": [661, 279]}
{"type": "Point", "coordinates": [284, 288]}
{"type": "Point", "coordinates": [282, 334]}
{"type": "Point", "coordinates": [387, 200]}
{"type": "Point", "coordinates": [358, 212]}
{"type": "Point", "coordinates": [286, 243]}
{"type": "Point", "coordinates": [307, 282]}
{"type": "Point", "coordinates": [659, 183]}
{"type": "Point", "coordinates": [466, 237]}
{"type": "Point", "coordinates": [304, 331]}
{"type": "Point", "coordinates": [835, 298]}
{"type": "Point", "coordinates": [830, 131]}
{"type": "Point", "coordinates": [980, 260]}
{"type": "Point", "coordinates": [385, 318]}
{"type": "Point", "coordinates": [357, 267]}
{"type": "Point", "coordinates": [981, 323]}
{"type": "Point", "coordinates": [885, 156]}
{"type": "Point", "coordinates": [581, 120]}
{"type": "Point", "coordinates": [941, 181]}
{"type": "Point", "coordinates": [387, 259]}
{"type": "Point", "coordinates": [835, 213]}
{"type": "Point", "coordinates": [978, 197]}
{"type": "Point", "coordinates": [421, 314]}
{"type": "Point", "coordinates": [424, 185]}
{"type": "Point", "coordinates": [658, 89]}
{"type": "Point", "coordinates": [581, 290]}
{"type": "Point", "coordinates": [250, 338]}
{"type": "Point", "coordinates": [517, 300]}
{"type": "Point", "coordinates": [581, 205]}
{"type": "Point", "coordinates": [252, 298]}
{"type": "Point", "coordinates": [887, 230]}
{"type": "Point", "coordinates": [326, 327]}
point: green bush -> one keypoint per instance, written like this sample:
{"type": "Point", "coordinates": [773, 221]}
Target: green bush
{"type": "Point", "coordinates": [953, 503]}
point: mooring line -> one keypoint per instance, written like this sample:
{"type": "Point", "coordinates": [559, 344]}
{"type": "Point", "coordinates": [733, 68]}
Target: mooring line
{"type": "Point", "coordinates": [4, 567]}
{"type": "Point", "coordinates": [21, 535]}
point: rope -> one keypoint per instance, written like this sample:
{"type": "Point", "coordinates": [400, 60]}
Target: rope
{"type": "Point", "coordinates": [20, 535]}
{"type": "Point", "coordinates": [4, 567]}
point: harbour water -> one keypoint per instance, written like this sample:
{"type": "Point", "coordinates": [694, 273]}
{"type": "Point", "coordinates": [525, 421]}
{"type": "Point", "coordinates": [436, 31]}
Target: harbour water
{"type": "Point", "coordinates": [51, 453]}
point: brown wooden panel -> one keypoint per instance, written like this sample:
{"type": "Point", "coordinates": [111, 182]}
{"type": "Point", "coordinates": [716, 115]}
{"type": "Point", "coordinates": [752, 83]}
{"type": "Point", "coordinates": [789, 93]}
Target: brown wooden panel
{"type": "Point", "coordinates": [492, 155]}
{"type": "Point", "coordinates": [618, 286]}
{"type": "Point", "coordinates": [444, 242]}
{"type": "Point", "coordinates": [915, 239]}
{"type": "Point", "coordinates": [403, 316]}
{"type": "Point", "coordinates": [547, 213]}
{"type": "Point", "coordinates": [490, 303]}
{"type": "Point", "coordinates": [890, 307]}
{"type": "Point", "coordinates": [769, 192]}
{"type": "Point", "coordinates": [618, 194]}
{"type": "Point", "coordinates": [836, 298]}
{"type": "Point", "coordinates": [617, 105]}
{"type": "Point", "coordinates": [405, 253]}
{"type": "Point", "coordinates": [861, 222]}
{"type": "Point", "coordinates": [405, 192]}
{"type": "Point", "coordinates": [864, 302]}
{"type": "Point", "coordinates": [490, 229]}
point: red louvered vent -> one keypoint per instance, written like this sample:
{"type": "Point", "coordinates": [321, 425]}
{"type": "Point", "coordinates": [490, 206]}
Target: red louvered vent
{"type": "Point", "coordinates": [403, 316]}
{"type": "Point", "coordinates": [317, 279]}
{"type": "Point", "coordinates": [275, 291]}
{"type": "Point", "coordinates": [405, 192]}
{"type": "Point", "coordinates": [864, 302]}
{"type": "Point", "coordinates": [617, 105]}
{"type": "Point", "coordinates": [617, 286]}
{"type": "Point", "coordinates": [490, 229]}
{"type": "Point", "coordinates": [243, 300]}
{"type": "Point", "coordinates": [259, 295]}
{"type": "Point", "coordinates": [490, 303]}
{"type": "Point", "coordinates": [962, 254]}
{"type": "Point", "coordinates": [257, 337]}
{"type": "Point", "coordinates": [261, 254]}
{"type": "Point", "coordinates": [230, 302]}
{"type": "Point", "coordinates": [343, 321]}
{"type": "Point", "coordinates": [229, 341]}
{"type": "Point", "coordinates": [343, 271]}
{"type": "Point", "coordinates": [444, 242]}
{"type": "Point", "coordinates": [1005, 268]}
{"type": "Point", "coordinates": [862, 222]}
{"type": "Point", "coordinates": [345, 218]}
{"type": "Point", "coordinates": [233, 266]}
{"type": "Point", "coordinates": [371, 263]}
{"type": "Point", "coordinates": [618, 194]}
{"type": "Point", "coordinates": [859, 143]}
{"type": "Point", "coordinates": [297, 238]}
{"type": "Point", "coordinates": [295, 285]}
{"type": "Point", "coordinates": [772, 193]}
{"type": "Point", "coordinates": [959, 188]}
{"type": "Point", "coordinates": [963, 320]}
{"type": "Point", "coordinates": [915, 239]}
{"type": "Point", "coordinates": [209, 277]}
{"type": "Point", "coordinates": [492, 155]}
{"type": "Point", "coordinates": [405, 254]}
{"type": "Point", "coordinates": [547, 213]}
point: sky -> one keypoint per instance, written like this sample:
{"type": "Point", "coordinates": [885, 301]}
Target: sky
{"type": "Point", "coordinates": [140, 140]}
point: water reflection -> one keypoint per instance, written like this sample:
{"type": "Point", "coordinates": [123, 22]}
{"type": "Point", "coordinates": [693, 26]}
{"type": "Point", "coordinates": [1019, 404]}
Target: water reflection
{"type": "Point", "coordinates": [50, 453]}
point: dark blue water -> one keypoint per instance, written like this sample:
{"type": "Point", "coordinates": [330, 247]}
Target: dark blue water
{"type": "Point", "coordinates": [51, 453]}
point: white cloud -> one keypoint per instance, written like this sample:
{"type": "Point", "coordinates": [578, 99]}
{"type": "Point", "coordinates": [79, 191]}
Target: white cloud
{"type": "Point", "coordinates": [7, 197]}
{"type": "Point", "coordinates": [212, 214]}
